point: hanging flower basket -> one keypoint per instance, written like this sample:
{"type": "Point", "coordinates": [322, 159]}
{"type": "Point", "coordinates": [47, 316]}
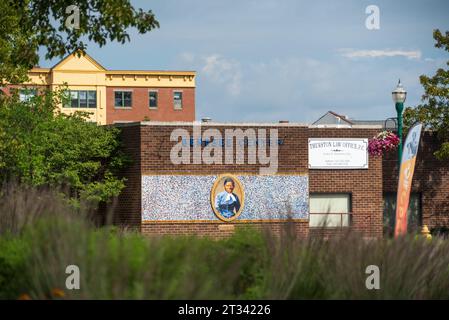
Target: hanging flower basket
{"type": "Point", "coordinates": [383, 142]}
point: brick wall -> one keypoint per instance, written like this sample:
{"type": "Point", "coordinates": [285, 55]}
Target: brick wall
{"type": "Point", "coordinates": [431, 179]}
{"type": "Point", "coordinates": [140, 106]}
{"type": "Point", "coordinates": [365, 186]}
{"type": "Point", "coordinates": [127, 210]}
{"type": "Point", "coordinates": [220, 229]}
{"type": "Point", "coordinates": [156, 147]}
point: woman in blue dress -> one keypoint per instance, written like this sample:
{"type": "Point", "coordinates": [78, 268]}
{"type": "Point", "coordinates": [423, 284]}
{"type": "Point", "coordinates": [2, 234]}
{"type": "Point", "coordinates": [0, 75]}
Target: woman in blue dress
{"type": "Point", "coordinates": [227, 202]}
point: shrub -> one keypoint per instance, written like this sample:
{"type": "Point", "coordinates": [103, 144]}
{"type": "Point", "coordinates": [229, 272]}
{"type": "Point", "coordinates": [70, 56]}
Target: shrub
{"type": "Point", "coordinates": [13, 259]}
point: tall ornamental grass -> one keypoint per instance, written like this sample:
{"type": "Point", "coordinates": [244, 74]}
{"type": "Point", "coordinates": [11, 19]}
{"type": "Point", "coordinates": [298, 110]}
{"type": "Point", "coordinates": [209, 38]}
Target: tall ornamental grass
{"type": "Point", "coordinates": [41, 235]}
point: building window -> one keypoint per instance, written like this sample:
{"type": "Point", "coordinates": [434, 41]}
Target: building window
{"type": "Point", "coordinates": [330, 209]}
{"type": "Point", "coordinates": [414, 213]}
{"type": "Point", "coordinates": [123, 99]}
{"type": "Point", "coordinates": [81, 99]}
{"type": "Point", "coordinates": [25, 94]}
{"type": "Point", "coordinates": [91, 99]}
{"type": "Point", "coordinates": [152, 99]}
{"type": "Point", "coordinates": [177, 100]}
{"type": "Point", "coordinates": [74, 101]}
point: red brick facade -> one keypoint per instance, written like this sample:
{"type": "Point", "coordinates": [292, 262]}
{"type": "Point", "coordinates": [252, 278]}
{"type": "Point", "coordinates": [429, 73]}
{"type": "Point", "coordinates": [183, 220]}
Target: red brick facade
{"type": "Point", "coordinates": [140, 110]}
{"type": "Point", "coordinates": [365, 186]}
{"type": "Point", "coordinates": [431, 180]}
{"type": "Point", "coordinates": [127, 210]}
{"type": "Point", "coordinates": [152, 143]}
{"type": "Point", "coordinates": [149, 146]}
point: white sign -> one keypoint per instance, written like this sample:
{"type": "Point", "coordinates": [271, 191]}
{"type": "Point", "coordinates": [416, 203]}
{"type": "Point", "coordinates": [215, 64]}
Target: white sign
{"type": "Point", "coordinates": [338, 153]}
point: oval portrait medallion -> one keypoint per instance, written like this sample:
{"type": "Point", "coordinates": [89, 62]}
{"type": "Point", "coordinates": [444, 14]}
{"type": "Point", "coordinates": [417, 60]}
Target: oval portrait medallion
{"type": "Point", "coordinates": [227, 197]}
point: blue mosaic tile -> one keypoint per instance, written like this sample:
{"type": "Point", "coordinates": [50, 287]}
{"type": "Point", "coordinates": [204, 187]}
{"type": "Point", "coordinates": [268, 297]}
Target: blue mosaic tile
{"type": "Point", "coordinates": [188, 197]}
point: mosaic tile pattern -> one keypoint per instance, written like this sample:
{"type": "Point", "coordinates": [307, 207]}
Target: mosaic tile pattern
{"type": "Point", "coordinates": [188, 197]}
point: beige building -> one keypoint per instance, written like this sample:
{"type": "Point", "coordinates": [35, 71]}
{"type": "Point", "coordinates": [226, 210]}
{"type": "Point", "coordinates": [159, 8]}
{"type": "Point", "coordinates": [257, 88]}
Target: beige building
{"type": "Point", "coordinates": [116, 95]}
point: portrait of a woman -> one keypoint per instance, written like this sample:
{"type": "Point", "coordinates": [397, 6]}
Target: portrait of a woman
{"type": "Point", "coordinates": [227, 202]}
{"type": "Point", "coordinates": [227, 196]}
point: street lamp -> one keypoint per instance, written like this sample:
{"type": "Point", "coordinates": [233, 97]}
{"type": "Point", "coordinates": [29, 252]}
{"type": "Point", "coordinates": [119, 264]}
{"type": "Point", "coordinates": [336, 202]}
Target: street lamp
{"type": "Point", "coordinates": [399, 94]}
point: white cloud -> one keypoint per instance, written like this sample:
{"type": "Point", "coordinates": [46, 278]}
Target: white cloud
{"type": "Point", "coordinates": [187, 57]}
{"type": "Point", "coordinates": [222, 70]}
{"type": "Point", "coordinates": [216, 69]}
{"type": "Point", "coordinates": [298, 88]}
{"type": "Point", "coordinates": [352, 53]}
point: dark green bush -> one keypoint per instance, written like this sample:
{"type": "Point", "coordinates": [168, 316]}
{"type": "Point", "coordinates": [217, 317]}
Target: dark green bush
{"type": "Point", "coordinates": [14, 254]}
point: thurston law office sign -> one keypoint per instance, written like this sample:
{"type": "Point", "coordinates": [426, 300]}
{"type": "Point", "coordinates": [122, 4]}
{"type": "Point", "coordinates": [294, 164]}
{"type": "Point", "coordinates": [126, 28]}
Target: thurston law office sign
{"type": "Point", "coordinates": [338, 153]}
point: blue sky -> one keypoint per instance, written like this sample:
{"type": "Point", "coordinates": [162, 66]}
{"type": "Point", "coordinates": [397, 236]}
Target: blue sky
{"type": "Point", "coordinates": [265, 60]}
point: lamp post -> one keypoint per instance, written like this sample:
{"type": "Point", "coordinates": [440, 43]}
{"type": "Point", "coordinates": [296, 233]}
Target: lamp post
{"type": "Point", "coordinates": [399, 95]}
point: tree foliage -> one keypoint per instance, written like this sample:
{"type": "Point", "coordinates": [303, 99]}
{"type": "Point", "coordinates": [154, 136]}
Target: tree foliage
{"type": "Point", "coordinates": [38, 144]}
{"type": "Point", "coordinates": [41, 146]}
{"type": "Point", "coordinates": [26, 25]}
{"type": "Point", "coordinates": [434, 110]}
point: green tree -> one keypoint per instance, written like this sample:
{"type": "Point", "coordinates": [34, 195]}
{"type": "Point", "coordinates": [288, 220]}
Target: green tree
{"type": "Point", "coordinates": [42, 146]}
{"type": "Point", "coordinates": [38, 144]}
{"type": "Point", "coordinates": [434, 110]}
{"type": "Point", "coordinates": [26, 25]}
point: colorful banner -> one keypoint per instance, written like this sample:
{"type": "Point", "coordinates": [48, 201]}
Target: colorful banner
{"type": "Point", "coordinates": [408, 160]}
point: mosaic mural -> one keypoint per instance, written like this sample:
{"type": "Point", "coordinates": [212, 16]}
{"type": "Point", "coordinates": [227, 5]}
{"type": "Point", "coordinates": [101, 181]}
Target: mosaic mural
{"type": "Point", "coordinates": [166, 197]}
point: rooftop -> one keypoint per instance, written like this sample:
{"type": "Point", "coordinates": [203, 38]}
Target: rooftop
{"type": "Point", "coordinates": [233, 124]}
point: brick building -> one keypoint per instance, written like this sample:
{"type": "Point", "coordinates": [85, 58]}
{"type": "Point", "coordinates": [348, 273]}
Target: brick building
{"type": "Point", "coordinates": [363, 199]}
{"type": "Point", "coordinates": [112, 96]}
{"type": "Point", "coordinates": [329, 199]}
{"type": "Point", "coordinates": [149, 145]}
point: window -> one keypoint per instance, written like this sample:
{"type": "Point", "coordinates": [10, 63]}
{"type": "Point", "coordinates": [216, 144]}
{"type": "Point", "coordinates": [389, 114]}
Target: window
{"type": "Point", "coordinates": [81, 99]}
{"type": "Point", "coordinates": [177, 100]}
{"type": "Point", "coordinates": [330, 209]}
{"type": "Point", "coordinates": [74, 99]}
{"type": "Point", "coordinates": [91, 99]}
{"type": "Point", "coordinates": [27, 94]}
{"type": "Point", "coordinates": [123, 99]}
{"type": "Point", "coordinates": [152, 99]}
{"type": "Point", "coordinates": [414, 214]}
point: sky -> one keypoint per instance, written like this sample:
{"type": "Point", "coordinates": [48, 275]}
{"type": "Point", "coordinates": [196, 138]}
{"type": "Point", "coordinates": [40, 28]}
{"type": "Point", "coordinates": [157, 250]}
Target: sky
{"type": "Point", "coordinates": [266, 60]}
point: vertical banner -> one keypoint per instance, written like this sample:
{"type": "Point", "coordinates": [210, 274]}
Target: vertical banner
{"type": "Point", "coordinates": [408, 160]}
